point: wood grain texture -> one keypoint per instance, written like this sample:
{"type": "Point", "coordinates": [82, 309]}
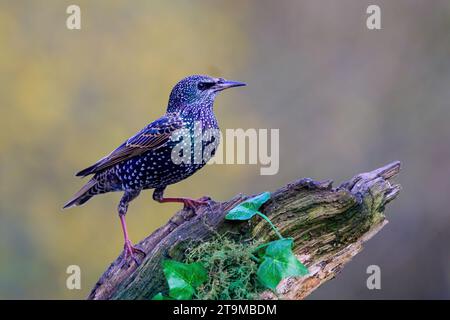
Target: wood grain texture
{"type": "Point", "coordinates": [329, 226]}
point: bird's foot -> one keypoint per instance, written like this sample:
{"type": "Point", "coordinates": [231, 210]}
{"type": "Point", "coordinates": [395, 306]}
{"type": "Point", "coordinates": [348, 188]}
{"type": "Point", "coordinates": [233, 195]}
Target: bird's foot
{"type": "Point", "coordinates": [195, 204]}
{"type": "Point", "coordinates": [131, 251]}
{"type": "Point", "coordinates": [189, 203]}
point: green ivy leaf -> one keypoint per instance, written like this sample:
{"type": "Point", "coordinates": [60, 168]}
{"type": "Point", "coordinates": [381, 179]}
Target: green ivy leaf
{"type": "Point", "coordinates": [160, 296]}
{"type": "Point", "coordinates": [247, 209]}
{"type": "Point", "coordinates": [183, 278]}
{"type": "Point", "coordinates": [279, 262]}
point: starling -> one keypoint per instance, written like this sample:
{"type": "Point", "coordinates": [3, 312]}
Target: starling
{"type": "Point", "coordinates": [145, 160]}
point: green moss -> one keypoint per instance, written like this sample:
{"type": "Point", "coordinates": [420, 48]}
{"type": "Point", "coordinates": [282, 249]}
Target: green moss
{"type": "Point", "coordinates": [231, 268]}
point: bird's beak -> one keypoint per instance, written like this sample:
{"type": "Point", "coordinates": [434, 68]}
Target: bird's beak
{"type": "Point", "coordinates": [223, 84]}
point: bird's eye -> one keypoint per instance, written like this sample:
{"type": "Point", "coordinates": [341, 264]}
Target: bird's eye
{"type": "Point", "coordinates": [205, 85]}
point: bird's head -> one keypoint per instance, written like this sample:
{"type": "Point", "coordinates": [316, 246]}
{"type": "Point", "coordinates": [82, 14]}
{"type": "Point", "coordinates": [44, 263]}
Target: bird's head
{"type": "Point", "coordinates": [198, 90]}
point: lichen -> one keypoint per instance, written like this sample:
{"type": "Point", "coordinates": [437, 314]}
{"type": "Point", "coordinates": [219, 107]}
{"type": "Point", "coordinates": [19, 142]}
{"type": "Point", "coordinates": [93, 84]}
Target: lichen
{"type": "Point", "coordinates": [231, 268]}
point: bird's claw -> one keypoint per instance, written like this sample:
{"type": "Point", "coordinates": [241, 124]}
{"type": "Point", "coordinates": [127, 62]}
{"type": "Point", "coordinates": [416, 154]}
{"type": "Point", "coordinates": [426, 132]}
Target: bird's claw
{"type": "Point", "coordinates": [130, 251]}
{"type": "Point", "coordinates": [195, 204]}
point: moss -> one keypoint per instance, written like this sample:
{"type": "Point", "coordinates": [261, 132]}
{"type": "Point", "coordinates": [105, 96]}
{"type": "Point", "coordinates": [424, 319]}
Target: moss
{"type": "Point", "coordinates": [231, 268]}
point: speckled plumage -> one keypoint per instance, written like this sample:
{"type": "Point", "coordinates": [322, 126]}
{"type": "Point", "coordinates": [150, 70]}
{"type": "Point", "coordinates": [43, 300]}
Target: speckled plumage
{"type": "Point", "coordinates": [145, 160]}
{"type": "Point", "coordinates": [155, 168]}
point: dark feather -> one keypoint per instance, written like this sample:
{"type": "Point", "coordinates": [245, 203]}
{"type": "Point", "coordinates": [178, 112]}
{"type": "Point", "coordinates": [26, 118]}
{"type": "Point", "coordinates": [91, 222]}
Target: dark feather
{"type": "Point", "coordinates": [83, 195]}
{"type": "Point", "coordinates": [153, 136]}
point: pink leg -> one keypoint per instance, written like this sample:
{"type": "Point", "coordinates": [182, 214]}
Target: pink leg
{"type": "Point", "coordinates": [158, 195]}
{"type": "Point", "coordinates": [130, 250]}
{"type": "Point", "coordinates": [188, 202]}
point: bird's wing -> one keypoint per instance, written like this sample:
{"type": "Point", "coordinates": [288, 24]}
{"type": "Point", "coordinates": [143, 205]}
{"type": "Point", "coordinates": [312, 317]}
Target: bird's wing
{"type": "Point", "coordinates": [153, 136]}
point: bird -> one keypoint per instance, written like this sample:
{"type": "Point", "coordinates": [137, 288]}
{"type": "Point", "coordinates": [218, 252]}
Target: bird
{"type": "Point", "coordinates": [150, 158]}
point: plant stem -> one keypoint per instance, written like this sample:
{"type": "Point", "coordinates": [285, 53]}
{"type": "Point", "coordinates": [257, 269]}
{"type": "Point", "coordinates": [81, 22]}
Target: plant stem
{"type": "Point", "coordinates": [254, 258]}
{"type": "Point", "coordinates": [271, 224]}
{"type": "Point", "coordinates": [261, 246]}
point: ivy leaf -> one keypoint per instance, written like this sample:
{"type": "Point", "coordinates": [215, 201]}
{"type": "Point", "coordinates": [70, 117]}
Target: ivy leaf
{"type": "Point", "coordinates": [247, 209]}
{"type": "Point", "coordinates": [279, 262]}
{"type": "Point", "coordinates": [183, 278]}
{"type": "Point", "coordinates": [243, 211]}
{"type": "Point", "coordinates": [160, 296]}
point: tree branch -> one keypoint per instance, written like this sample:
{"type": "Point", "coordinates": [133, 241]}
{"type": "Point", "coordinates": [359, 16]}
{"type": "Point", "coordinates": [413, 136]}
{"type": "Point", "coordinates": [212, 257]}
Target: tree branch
{"type": "Point", "coordinates": [329, 226]}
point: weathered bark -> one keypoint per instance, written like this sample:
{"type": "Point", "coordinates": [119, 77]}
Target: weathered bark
{"type": "Point", "coordinates": [329, 226]}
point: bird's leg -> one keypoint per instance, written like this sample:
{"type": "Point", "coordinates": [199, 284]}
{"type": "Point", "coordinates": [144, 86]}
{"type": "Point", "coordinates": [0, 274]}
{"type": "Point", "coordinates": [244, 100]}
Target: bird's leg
{"type": "Point", "coordinates": [158, 195]}
{"type": "Point", "coordinates": [129, 249]}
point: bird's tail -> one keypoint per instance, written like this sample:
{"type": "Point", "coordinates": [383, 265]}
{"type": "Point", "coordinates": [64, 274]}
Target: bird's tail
{"type": "Point", "coordinates": [85, 193]}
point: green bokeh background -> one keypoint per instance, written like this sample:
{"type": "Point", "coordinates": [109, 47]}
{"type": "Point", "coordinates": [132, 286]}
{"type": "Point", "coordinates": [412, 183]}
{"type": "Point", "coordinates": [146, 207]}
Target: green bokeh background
{"type": "Point", "coordinates": [346, 99]}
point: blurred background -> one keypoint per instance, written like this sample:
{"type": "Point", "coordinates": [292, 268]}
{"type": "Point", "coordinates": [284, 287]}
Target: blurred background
{"type": "Point", "coordinates": [346, 100]}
